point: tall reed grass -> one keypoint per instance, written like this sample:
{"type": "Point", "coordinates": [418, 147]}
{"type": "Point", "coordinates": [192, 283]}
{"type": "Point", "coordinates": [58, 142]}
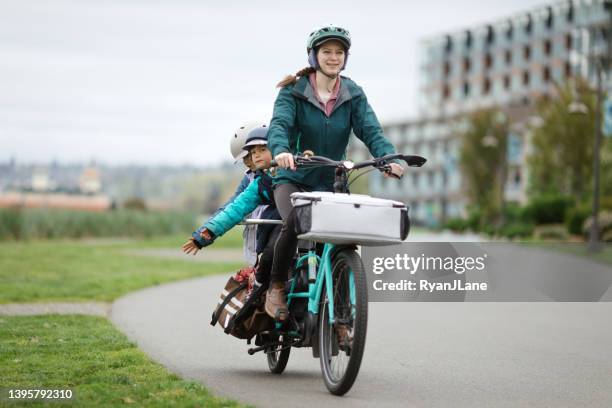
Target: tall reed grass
{"type": "Point", "coordinates": [23, 224]}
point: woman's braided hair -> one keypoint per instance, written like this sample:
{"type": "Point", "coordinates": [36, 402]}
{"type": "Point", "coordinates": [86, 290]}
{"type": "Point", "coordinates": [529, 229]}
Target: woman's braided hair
{"type": "Point", "coordinates": [292, 79]}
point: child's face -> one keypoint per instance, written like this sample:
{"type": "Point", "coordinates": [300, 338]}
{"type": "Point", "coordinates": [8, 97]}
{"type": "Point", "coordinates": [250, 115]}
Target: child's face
{"type": "Point", "coordinates": [261, 156]}
{"type": "Point", "coordinates": [248, 162]}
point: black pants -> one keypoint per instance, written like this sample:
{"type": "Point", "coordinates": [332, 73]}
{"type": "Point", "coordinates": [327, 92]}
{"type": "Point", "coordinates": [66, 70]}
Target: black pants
{"type": "Point", "coordinates": [286, 244]}
{"type": "Point", "coordinates": [264, 266]}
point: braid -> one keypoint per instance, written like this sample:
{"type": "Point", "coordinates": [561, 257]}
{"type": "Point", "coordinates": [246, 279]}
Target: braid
{"type": "Point", "coordinates": [292, 79]}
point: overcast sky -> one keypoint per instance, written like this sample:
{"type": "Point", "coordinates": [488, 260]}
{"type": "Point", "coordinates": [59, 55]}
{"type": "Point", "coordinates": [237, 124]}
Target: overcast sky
{"type": "Point", "coordinates": [167, 82]}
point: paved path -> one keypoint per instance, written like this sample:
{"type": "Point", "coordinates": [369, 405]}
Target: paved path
{"type": "Point", "coordinates": [417, 354]}
{"type": "Point", "coordinates": [31, 309]}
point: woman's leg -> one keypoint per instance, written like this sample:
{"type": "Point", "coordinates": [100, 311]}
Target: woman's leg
{"type": "Point", "coordinates": [284, 250]}
{"type": "Point", "coordinates": [286, 242]}
{"type": "Point", "coordinates": [265, 261]}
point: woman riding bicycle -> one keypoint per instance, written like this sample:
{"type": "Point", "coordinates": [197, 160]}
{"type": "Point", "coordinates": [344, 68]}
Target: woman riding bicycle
{"type": "Point", "coordinates": [315, 110]}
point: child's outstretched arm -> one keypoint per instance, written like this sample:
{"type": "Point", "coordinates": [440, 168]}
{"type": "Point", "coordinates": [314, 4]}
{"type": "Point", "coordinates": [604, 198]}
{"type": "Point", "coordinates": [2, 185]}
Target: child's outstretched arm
{"type": "Point", "coordinates": [244, 183]}
{"type": "Point", "coordinates": [235, 212]}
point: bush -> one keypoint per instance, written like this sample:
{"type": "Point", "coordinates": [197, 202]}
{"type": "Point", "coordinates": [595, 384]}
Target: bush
{"type": "Point", "coordinates": [604, 221]}
{"type": "Point", "coordinates": [473, 220]}
{"type": "Point", "coordinates": [605, 203]}
{"type": "Point", "coordinates": [551, 232]}
{"type": "Point", "coordinates": [547, 209]}
{"type": "Point", "coordinates": [575, 218]}
{"type": "Point", "coordinates": [490, 230]}
{"type": "Point", "coordinates": [48, 224]}
{"type": "Point", "coordinates": [456, 224]}
{"type": "Point", "coordinates": [513, 213]}
{"type": "Point", "coordinates": [517, 230]}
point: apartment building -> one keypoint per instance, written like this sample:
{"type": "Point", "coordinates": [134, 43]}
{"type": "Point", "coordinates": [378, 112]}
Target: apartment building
{"type": "Point", "coordinates": [509, 64]}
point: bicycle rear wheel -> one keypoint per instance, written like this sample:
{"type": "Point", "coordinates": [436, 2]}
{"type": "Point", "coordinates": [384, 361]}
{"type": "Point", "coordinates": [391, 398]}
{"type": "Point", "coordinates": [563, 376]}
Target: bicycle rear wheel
{"type": "Point", "coordinates": [342, 343]}
{"type": "Point", "coordinates": [278, 356]}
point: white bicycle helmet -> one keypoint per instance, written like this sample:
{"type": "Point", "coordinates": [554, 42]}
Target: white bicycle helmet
{"type": "Point", "coordinates": [240, 136]}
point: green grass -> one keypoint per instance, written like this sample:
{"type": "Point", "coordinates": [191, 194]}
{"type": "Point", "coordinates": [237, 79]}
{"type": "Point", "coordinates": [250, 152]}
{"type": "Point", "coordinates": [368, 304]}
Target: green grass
{"type": "Point", "coordinates": [90, 357]}
{"type": "Point", "coordinates": [233, 239]}
{"type": "Point", "coordinates": [35, 271]}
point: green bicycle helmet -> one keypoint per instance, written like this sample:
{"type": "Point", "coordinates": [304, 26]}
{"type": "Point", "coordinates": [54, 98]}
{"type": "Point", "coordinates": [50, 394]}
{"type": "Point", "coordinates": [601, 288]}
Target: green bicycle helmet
{"type": "Point", "coordinates": [323, 34]}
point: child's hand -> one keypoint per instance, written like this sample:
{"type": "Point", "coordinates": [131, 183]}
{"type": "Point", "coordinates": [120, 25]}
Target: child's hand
{"type": "Point", "coordinates": [190, 247]}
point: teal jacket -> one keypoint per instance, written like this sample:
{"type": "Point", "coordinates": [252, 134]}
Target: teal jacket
{"type": "Point", "coordinates": [257, 193]}
{"type": "Point", "coordinates": [299, 123]}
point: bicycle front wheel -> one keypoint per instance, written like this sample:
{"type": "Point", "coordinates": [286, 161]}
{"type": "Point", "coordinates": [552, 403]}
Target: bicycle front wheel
{"type": "Point", "coordinates": [342, 342]}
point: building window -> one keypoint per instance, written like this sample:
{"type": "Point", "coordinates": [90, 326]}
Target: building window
{"type": "Point", "coordinates": [547, 47]}
{"type": "Point", "coordinates": [570, 13]}
{"type": "Point", "coordinates": [526, 78]}
{"type": "Point", "coordinates": [568, 41]}
{"type": "Point", "coordinates": [549, 18]}
{"type": "Point", "coordinates": [448, 45]}
{"type": "Point", "coordinates": [568, 69]}
{"type": "Point", "coordinates": [468, 39]}
{"type": "Point", "coordinates": [467, 65]}
{"type": "Point", "coordinates": [447, 68]}
{"type": "Point", "coordinates": [527, 52]}
{"type": "Point", "coordinates": [466, 89]}
{"type": "Point", "coordinates": [546, 74]}
{"type": "Point", "coordinates": [490, 35]}
{"type": "Point", "coordinates": [488, 61]}
{"type": "Point", "coordinates": [507, 82]}
{"type": "Point", "coordinates": [446, 92]}
{"type": "Point", "coordinates": [509, 31]}
{"type": "Point", "coordinates": [508, 57]}
{"type": "Point", "coordinates": [528, 24]}
{"type": "Point", "coordinates": [486, 86]}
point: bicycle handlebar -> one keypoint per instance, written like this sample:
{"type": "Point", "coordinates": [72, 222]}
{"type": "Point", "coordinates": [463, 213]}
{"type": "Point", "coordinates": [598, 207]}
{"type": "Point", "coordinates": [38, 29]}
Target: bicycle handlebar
{"type": "Point", "coordinates": [381, 163]}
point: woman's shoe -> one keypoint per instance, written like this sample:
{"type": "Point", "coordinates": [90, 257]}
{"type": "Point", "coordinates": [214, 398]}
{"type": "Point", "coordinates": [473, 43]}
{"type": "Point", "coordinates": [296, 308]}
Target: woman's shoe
{"type": "Point", "coordinates": [276, 303]}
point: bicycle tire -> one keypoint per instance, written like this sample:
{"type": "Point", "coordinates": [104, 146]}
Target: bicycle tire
{"type": "Point", "coordinates": [341, 382]}
{"type": "Point", "coordinates": [278, 357]}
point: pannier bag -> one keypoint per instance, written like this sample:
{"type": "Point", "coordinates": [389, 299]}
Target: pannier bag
{"type": "Point", "coordinates": [231, 303]}
{"type": "Point", "coordinates": [350, 218]}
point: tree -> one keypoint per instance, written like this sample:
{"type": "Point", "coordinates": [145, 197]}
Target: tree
{"type": "Point", "coordinates": [561, 161]}
{"type": "Point", "coordinates": [483, 163]}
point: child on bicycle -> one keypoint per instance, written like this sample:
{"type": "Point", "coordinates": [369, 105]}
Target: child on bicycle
{"type": "Point", "coordinates": [238, 153]}
{"type": "Point", "coordinates": [259, 192]}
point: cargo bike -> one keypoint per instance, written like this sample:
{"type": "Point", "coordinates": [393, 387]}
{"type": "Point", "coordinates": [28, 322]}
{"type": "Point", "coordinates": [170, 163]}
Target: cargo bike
{"type": "Point", "coordinates": [327, 289]}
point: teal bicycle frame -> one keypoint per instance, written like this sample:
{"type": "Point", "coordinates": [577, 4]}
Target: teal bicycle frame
{"type": "Point", "coordinates": [324, 278]}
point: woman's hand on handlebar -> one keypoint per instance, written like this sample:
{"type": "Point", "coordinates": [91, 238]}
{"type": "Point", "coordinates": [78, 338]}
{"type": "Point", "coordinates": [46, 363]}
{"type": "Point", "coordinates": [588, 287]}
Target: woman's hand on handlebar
{"type": "Point", "coordinates": [397, 171]}
{"type": "Point", "coordinates": [285, 160]}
